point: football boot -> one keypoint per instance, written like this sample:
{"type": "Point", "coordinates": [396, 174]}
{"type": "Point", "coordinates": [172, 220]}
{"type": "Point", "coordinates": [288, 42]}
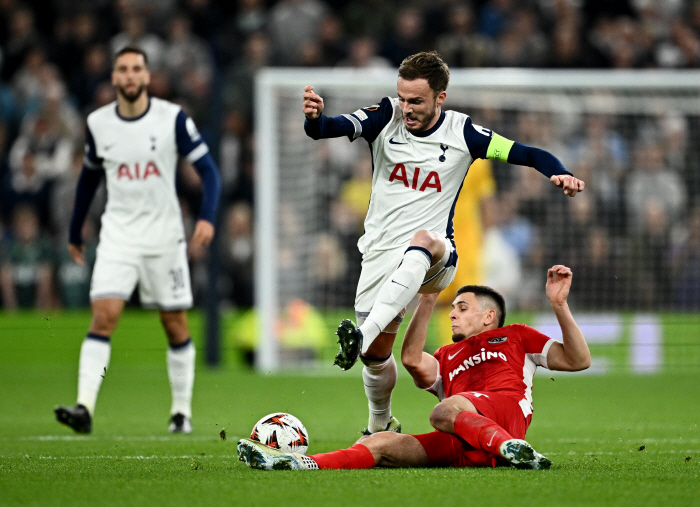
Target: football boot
{"type": "Point", "coordinates": [350, 341]}
{"type": "Point", "coordinates": [76, 417]}
{"type": "Point", "coordinates": [520, 454]}
{"type": "Point", "coordinates": [260, 456]}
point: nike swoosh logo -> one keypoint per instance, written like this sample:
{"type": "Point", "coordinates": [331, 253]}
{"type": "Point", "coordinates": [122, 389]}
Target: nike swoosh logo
{"type": "Point", "coordinates": [397, 283]}
{"type": "Point", "coordinates": [391, 141]}
{"type": "Point", "coordinates": [492, 437]}
{"type": "Point", "coordinates": [451, 357]}
{"type": "Point", "coordinates": [107, 147]}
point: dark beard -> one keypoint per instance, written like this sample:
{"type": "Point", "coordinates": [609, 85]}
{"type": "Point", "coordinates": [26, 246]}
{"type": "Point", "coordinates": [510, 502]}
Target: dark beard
{"type": "Point", "coordinates": [131, 97]}
{"type": "Point", "coordinates": [457, 337]}
{"type": "Point", "coordinates": [423, 124]}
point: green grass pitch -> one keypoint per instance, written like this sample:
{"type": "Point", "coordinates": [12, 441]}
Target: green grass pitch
{"type": "Point", "coordinates": [617, 439]}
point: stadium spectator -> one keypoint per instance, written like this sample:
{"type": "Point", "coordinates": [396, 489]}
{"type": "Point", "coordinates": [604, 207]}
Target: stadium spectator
{"type": "Point", "coordinates": [238, 88]}
{"type": "Point", "coordinates": [407, 37]}
{"type": "Point", "coordinates": [134, 33]}
{"type": "Point", "coordinates": [95, 70]}
{"type": "Point", "coordinates": [370, 18]}
{"type": "Point", "coordinates": [237, 256]}
{"type": "Point", "coordinates": [363, 55]}
{"type": "Point", "coordinates": [48, 138]}
{"type": "Point", "coordinates": [250, 17]}
{"type": "Point", "coordinates": [461, 45]}
{"type": "Point", "coordinates": [26, 264]}
{"type": "Point", "coordinates": [187, 58]}
{"type": "Point", "coordinates": [685, 265]}
{"type": "Point", "coordinates": [480, 420]}
{"type": "Point", "coordinates": [292, 24]}
{"type": "Point", "coordinates": [521, 43]}
{"type": "Point", "coordinates": [653, 182]}
{"type": "Point", "coordinates": [22, 38]}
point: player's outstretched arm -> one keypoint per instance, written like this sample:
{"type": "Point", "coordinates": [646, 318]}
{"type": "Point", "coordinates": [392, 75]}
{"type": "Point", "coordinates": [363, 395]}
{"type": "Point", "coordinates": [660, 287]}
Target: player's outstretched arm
{"type": "Point", "coordinates": [500, 148]}
{"type": "Point", "coordinates": [573, 353]}
{"type": "Point", "coordinates": [422, 366]}
{"type": "Point", "coordinates": [313, 103]}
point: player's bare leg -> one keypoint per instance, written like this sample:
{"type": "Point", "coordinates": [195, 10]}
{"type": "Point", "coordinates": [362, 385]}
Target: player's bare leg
{"type": "Point", "coordinates": [382, 449]}
{"type": "Point", "coordinates": [457, 415]}
{"type": "Point", "coordinates": [181, 361]}
{"type": "Point", "coordinates": [94, 360]}
{"type": "Point", "coordinates": [394, 450]}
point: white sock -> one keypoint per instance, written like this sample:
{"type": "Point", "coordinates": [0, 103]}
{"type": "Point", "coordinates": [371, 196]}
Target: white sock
{"type": "Point", "coordinates": [94, 359]}
{"type": "Point", "coordinates": [379, 379]}
{"type": "Point", "coordinates": [395, 294]}
{"type": "Point", "coordinates": [181, 375]}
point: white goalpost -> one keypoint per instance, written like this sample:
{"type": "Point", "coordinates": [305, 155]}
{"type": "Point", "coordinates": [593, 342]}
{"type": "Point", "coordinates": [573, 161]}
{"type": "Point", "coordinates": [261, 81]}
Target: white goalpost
{"type": "Point", "coordinates": [301, 235]}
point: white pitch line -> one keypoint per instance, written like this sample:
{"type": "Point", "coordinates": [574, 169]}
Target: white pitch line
{"type": "Point", "coordinates": [118, 438]}
{"type": "Point", "coordinates": [137, 457]}
{"type": "Point", "coordinates": [620, 441]}
{"type": "Point", "coordinates": [630, 451]}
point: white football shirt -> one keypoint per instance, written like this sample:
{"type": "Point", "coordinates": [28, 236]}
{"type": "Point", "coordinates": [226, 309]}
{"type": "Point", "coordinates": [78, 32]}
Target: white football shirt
{"type": "Point", "coordinates": [416, 178]}
{"type": "Point", "coordinates": [139, 156]}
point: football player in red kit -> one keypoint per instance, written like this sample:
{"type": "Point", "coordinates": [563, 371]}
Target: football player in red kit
{"type": "Point", "coordinates": [483, 381]}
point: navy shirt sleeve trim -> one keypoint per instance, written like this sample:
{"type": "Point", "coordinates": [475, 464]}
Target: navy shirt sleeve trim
{"type": "Point", "coordinates": [88, 182]}
{"type": "Point", "coordinates": [211, 187]}
{"type": "Point", "coordinates": [188, 139]}
{"type": "Point", "coordinates": [543, 161]}
{"type": "Point", "coordinates": [91, 160]}
{"type": "Point", "coordinates": [367, 122]}
{"type": "Point", "coordinates": [477, 138]}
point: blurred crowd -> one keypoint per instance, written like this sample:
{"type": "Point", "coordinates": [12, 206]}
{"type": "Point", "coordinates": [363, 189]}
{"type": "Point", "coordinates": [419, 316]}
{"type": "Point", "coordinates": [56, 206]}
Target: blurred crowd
{"type": "Point", "coordinates": [55, 64]}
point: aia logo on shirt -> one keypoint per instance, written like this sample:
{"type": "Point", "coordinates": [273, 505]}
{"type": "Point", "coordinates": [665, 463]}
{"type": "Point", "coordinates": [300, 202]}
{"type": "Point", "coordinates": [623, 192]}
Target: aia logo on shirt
{"type": "Point", "coordinates": [432, 180]}
{"type": "Point", "coordinates": [137, 172]}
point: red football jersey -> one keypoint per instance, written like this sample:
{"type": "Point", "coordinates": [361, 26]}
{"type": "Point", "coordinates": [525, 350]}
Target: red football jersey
{"type": "Point", "coordinates": [501, 360]}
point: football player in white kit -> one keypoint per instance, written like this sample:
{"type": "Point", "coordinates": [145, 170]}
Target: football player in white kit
{"type": "Point", "coordinates": [134, 143]}
{"type": "Point", "coordinates": [420, 156]}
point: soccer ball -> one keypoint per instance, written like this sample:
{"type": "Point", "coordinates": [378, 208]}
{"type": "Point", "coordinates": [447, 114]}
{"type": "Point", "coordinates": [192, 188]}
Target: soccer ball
{"type": "Point", "coordinates": [281, 431]}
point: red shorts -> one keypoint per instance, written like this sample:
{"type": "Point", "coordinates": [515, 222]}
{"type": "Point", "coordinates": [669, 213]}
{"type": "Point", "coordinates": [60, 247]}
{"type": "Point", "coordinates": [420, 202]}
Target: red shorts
{"type": "Point", "coordinates": [447, 450]}
{"type": "Point", "coordinates": [501, 409]}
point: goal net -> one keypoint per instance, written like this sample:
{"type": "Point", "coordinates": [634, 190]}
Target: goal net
{"type": "Point", "coordinates": [632, 237]}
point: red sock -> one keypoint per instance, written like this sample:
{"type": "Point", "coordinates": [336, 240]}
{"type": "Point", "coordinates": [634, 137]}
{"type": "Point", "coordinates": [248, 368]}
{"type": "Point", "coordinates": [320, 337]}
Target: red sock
{"type": "Point", "coordinates": [480, 432]}
{"type": "Point", "coordinates": [357, 456]}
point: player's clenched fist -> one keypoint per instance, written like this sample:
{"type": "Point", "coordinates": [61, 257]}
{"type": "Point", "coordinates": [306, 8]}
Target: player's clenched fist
{"type": "Point", "coordinates": [313, 103]}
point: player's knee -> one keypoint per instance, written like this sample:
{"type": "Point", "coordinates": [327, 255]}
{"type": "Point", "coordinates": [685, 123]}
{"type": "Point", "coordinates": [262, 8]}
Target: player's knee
{"type": "Point", "coordinates": [431, 241]}
{"type": "Point", "coordinates": [440, 417]}
{"type": "Point", "coordinates": [104, 320]}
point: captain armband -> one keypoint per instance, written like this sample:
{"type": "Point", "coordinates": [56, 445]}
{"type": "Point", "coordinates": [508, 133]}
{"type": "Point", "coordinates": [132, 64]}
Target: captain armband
{"type": "Point", "coordinates": [499, 148]}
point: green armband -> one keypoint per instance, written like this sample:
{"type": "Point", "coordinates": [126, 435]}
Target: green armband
{"type": "Point", "coordinates": [499, 148]}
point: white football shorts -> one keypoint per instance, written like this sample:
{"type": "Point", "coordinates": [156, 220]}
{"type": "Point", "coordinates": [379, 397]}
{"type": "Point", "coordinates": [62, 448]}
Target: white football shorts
{"type": "Point", "coordinates": [378, 266]}
{"type": "Point", "coordinates": [163, 280]}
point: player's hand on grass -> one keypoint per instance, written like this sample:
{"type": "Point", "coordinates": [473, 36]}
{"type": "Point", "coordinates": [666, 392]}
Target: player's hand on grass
{"type": "Point", "coordinates": [570, 184]}
{"type": "Point", "coordinates": [313, 103]}
{"type": "Point", "coordinates": [203, 234]}
{"type": "Point", "coordinates": [77, 253]}
{"type": "Point", "coordinates": [558, 284]}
